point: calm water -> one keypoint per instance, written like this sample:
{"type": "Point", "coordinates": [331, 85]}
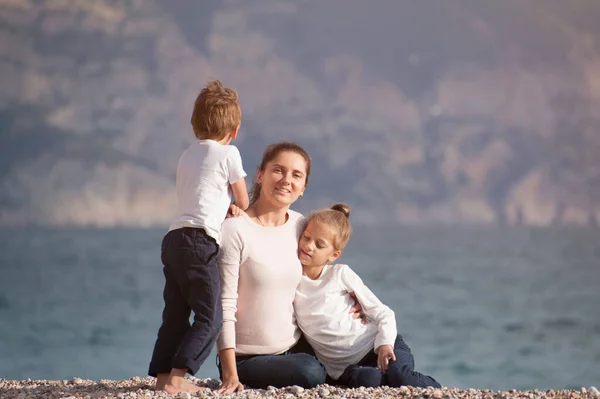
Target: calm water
{"type": "Point", "coordinates": [481, 308]}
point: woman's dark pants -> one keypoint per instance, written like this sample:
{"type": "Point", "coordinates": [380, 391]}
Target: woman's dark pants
{"type": "Point", "coordinates": [192, 284]}
{"type": "Point", "coordinates": [400, 371]}
{"type": "Point", "coordinates": [297, 366]}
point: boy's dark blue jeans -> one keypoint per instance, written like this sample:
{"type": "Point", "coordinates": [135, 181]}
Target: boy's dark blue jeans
{"type": "Point", "coordinates": [192, 284]}
{"type": "Point", "coordinates": [296, 366]}
{"type": "Point", "coordinates": [400, 371]}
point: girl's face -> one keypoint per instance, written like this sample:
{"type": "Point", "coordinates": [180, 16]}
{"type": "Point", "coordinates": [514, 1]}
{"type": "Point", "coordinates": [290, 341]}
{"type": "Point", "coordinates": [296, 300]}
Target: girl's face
{"type": "Point", "coordinates": [316, 245]}
{"type": "Point", "coordinates": [284, 178]}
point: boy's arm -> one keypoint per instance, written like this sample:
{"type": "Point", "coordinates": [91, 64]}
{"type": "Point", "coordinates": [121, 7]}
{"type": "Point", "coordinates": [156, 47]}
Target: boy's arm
{"type": "Point", "coordinates": [372, 307]}
{"type": "Point", "coordinates": [240, 194]}
{"type": "Point", "coordinates": [236, 179]}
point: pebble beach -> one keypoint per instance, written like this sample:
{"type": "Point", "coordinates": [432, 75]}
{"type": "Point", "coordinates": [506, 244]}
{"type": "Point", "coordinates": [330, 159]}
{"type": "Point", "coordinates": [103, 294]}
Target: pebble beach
{"type": "Point", "coordinates": [142, 388]}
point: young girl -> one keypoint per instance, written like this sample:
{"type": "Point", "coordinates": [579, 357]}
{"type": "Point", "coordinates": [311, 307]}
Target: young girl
{"type": "Point", "coordinates": [353, 354]}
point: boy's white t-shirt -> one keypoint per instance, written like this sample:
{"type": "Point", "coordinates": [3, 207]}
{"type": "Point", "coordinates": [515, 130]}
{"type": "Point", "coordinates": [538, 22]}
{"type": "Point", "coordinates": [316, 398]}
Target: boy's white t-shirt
{"type": "Point", "coordinates": [322, 312]}
{"type": "Point", "coordinates": [204, 174]}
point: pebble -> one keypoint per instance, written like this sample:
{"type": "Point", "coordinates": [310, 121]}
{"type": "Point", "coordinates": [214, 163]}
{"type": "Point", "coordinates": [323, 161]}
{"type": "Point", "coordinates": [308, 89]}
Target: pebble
{"type": "Point", "coordinates": [142, 388]}
{"type": "Point", "coordinates": [295, 389]}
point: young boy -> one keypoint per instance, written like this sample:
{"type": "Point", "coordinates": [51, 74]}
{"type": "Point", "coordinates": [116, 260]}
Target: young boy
{"type": "Point", "coordinates": [208, 172]}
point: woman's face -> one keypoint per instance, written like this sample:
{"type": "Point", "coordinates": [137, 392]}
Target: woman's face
{"type": "Point", "coordinates": [284, 178]}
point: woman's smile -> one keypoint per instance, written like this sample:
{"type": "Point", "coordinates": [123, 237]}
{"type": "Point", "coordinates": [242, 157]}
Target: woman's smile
{"type": "Point", "coordinates": [282, 190]}
{"type": "Point", "coordinates": [284, 178]}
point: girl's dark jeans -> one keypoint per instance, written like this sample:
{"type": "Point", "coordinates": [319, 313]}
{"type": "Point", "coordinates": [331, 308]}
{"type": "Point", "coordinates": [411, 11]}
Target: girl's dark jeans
{"type": "Point", "coordinates": [400, 371]}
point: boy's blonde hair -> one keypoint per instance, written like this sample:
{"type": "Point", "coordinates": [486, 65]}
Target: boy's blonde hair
{"type": "Point", "coordinates": [336, 218]}
{"type": "Point", "coordinates": [216, 112]}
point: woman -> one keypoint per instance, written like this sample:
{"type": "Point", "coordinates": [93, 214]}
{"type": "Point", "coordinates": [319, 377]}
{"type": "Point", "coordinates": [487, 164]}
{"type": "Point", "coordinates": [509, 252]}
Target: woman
{"type": "Point", "coordinates": [260, 343]}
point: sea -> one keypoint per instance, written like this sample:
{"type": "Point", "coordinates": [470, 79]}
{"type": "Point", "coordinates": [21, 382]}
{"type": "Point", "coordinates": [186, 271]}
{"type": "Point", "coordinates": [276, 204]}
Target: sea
{"type": "Point", "coordinates": [480, 307]}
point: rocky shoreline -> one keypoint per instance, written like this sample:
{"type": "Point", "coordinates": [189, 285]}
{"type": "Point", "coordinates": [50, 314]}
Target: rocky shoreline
{"type": "Point", "coordinates": [142, 388]}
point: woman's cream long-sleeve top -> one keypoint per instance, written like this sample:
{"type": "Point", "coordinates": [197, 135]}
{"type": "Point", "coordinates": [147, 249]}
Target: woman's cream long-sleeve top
{"type": "Point", "coordinates": [322, 309]}
{"type": "Point", "coordinates": [260, 272]}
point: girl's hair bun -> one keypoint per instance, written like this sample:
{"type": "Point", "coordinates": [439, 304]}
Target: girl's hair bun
{"type": "Point", "coordinates": [345, 209]}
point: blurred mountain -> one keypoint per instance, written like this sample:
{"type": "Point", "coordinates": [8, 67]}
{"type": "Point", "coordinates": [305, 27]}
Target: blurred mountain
{"type": "Point", "coordinates": [459, 111]}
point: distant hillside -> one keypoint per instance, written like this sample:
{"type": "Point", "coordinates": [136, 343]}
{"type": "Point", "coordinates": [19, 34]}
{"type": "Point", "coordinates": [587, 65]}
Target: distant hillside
{"type": "Point", "coordinates": [459, 111]}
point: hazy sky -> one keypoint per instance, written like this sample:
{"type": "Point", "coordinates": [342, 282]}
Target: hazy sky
{"type": "Point", "coordinates": [453, 111]}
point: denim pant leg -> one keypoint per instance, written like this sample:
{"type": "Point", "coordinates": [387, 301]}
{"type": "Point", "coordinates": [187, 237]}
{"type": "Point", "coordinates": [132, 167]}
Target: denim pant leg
{"type": "Point", "coordinates": [361, 376]}
{"type": "Point", "coordinates": [175, 316]}
{"type": "Point", "coordinates": [364, 374]}
{"type": "Point", "coordinates": [193, 284]}
{"type": "Point", "coordinates": [295, 367]}
{"type": "Point", "coordinates": [402, 370]}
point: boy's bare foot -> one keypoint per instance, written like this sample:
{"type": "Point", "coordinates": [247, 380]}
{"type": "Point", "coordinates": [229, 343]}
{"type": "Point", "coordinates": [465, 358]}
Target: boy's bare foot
{"type": "Point", "coordinates": [177, 383]}
{"type": "Point", "coordinates": [177, 386]}
{"type": "Point", "coordinates": [161, 381]}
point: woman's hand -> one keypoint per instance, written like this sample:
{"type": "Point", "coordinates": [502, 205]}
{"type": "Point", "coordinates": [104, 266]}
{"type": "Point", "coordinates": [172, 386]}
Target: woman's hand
{"type": "Point", "coordinates": [356, 309]}
{"type": "Point", "coordinates": [385, 354]}
{"type": "Point", "coordinates": [230, 385]}
{"type": "Point", "coordinates": [231, 381]}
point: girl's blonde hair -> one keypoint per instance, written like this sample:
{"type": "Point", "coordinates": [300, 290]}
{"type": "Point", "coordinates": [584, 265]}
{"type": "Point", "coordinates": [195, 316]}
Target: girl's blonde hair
{"type": "Point", "coordinates": [338, 219]}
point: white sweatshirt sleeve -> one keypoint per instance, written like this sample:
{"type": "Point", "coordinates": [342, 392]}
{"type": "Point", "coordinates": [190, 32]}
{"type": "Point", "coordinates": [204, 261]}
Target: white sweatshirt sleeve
{"type": "Point", "coordinates": [230, 258]}
{"type": "Point", "coordinates": [372, 307]}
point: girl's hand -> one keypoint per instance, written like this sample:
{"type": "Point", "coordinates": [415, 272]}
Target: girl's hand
{"type": "Point", "coordinates": [230, 385]}
{"type": "Point", "coordinates": [356, 310]}
{"type": "Point", "coordinates": [385, 354]}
